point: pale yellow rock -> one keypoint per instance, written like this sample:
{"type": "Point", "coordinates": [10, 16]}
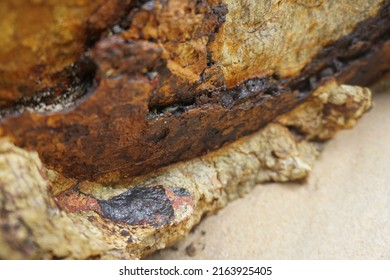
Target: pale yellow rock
{"type": "Point", "coordinates": [264, 37]}
{"type": "Point", "coordinates": [329, 109]}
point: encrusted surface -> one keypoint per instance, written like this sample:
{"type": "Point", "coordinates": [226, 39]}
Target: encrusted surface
{"type": "Point", "coordinates": [44, 215]}
{"type": "Point", "coordinates": [331, 108]}
{"type": "Point", "coordinates": [94, 94]}
{"type": "Point", "coordinates": [40, 39]}
{"type": "Point", "coordinates": [170, 85]}
{"type": "Point", "coordinates": [263, 37]}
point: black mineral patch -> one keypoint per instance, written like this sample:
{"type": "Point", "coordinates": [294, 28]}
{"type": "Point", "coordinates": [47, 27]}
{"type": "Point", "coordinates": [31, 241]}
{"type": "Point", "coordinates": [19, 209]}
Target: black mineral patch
{"type": "Point", "coordinates": [180, 192]}
{"type": "Point", "coordinates": [139, 206]}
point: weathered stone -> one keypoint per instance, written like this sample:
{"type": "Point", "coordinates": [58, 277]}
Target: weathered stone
{"type": "Point", "coordinates": [42, 40]}
{"type": "Point", "coordinates": [88, 220]}
{"type": "Point", "coordinates": [123, 123]}
{"type": "Point", "coordinates": [171, 85]}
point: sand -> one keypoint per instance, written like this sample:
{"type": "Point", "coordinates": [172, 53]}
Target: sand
{"type": "Point", "coordinates": [342, 211]}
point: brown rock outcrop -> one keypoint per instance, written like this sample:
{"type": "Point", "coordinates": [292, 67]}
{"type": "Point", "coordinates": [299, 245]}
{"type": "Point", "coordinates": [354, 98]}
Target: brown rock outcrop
{"type": "Point", "coordinates": [116, 103]}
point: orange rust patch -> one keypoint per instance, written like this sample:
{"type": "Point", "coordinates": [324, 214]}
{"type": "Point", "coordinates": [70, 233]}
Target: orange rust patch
{"type": "Point", "coordinates": [74, 201]}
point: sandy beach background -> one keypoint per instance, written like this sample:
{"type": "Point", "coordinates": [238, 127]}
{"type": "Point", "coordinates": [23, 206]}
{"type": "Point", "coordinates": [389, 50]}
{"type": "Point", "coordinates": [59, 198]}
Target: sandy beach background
{"type": "Point", "coordinates": [341, 212]}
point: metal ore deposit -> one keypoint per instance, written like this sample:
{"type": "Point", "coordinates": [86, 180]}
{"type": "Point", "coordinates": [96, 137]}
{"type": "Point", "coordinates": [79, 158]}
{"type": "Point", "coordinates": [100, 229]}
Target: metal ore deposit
{"type": "Point", "coordinates": [124, 123]}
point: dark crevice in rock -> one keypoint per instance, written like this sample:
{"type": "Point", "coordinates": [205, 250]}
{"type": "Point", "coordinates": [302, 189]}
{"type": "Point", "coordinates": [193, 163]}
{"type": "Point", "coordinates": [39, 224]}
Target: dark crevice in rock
{"type": "Point", "coordinates": [80, 80]}
{"type": "Point", "coordinates": [114, 25]}
{"type": "Point", "coordinates": [332, 61]}
{"type": "Point", "coordinates": [128, 128]}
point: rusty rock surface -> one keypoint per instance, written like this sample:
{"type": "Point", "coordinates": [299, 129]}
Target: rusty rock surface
{"type": "Point", "coordinates": [158, 82]}
{"type": "Point", "coordinates": [41, 41]}
{"type": "Point", "coordinates": [44, 215]}
{"type": "Point", "coordinates": [123, 123]}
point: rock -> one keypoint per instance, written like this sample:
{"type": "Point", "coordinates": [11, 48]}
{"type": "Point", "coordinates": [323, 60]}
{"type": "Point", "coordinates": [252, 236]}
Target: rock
{"type": "Point", "coordinates": [134, 119]}
{"type": "Point", "coordinates": [191, 250]}
{"type": "Point", "coordinates": [81, 220]}
{"type": "Point", "coordinates": [172, 86]}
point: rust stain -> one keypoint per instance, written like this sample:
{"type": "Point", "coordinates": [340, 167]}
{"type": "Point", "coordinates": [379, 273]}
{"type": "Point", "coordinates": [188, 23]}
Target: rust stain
{"type": "Point", "coordinates": [73, 201]}
{"type": "Point", "coordinates": [142, 114]}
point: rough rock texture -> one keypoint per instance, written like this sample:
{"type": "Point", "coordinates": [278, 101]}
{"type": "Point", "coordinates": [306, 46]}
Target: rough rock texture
{"type": "Point", "coordinates": [283, 36]}
{"type": "Point", "coordinates": [122, 123]}
{"type": "Point", "coordinates": [167, 83]}
{"type": "Point", "coordinates": [340, 212]}
{"type": "Point", "coordinates": [40, 39]}
{"type": "Point", "coordinates": [87, 220]}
